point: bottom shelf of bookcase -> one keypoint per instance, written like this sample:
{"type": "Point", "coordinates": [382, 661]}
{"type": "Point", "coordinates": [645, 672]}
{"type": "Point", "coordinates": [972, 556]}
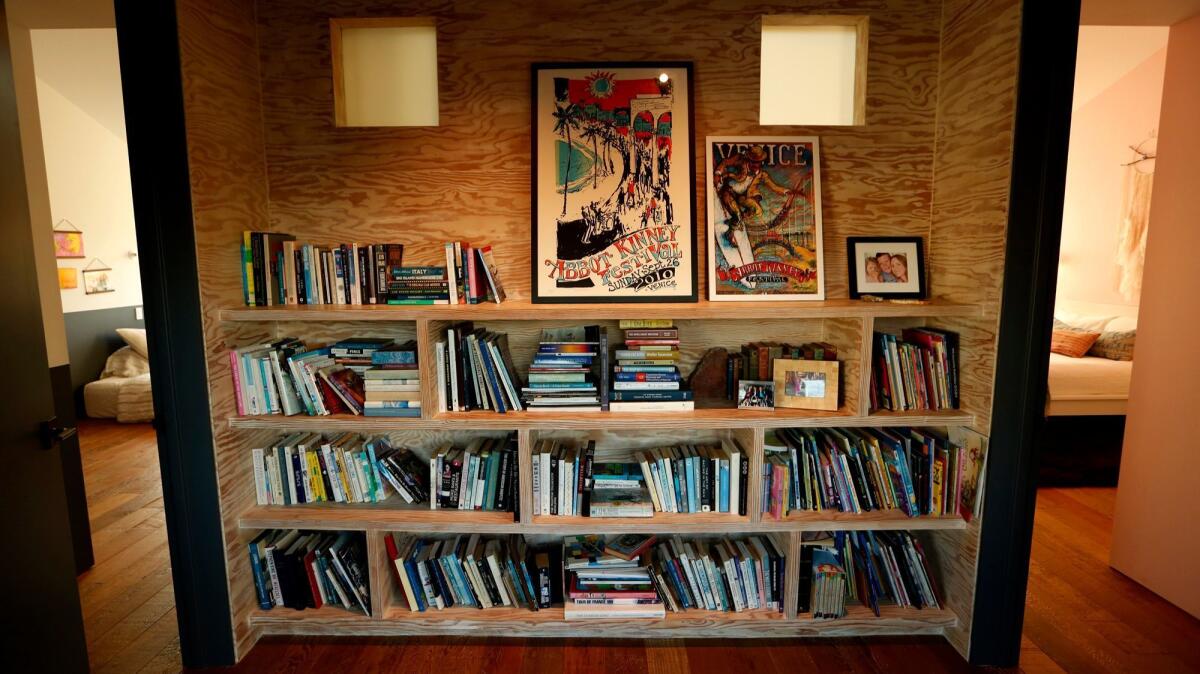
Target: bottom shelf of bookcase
{"type": "Point", "coordinates": [551, 623]}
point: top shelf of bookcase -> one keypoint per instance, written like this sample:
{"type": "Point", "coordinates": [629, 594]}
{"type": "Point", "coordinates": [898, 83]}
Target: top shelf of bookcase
{"type": "Point", "coordinates": [524, 310]}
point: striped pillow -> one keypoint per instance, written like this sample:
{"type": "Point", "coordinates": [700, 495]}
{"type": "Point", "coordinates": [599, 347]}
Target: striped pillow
{"type": "Point", "coordinates": [1072, 343]}
{"type": "Point", "coordinates": [1116, 345]}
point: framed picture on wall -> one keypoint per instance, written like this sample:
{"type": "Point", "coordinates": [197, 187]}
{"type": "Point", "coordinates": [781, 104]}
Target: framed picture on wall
{"type": "Point", "coordinates": [886, 266]}
{"type": "Point", "coordinates": [97, 279]}
{"type": "Point", "coordinates": [68, 278]}
{"type": "Point", "coordinates": [764, 218]}
{"type": "Point", "coordinates": [613, 194]}
{"type": "Point", "coordinates": [68, 241]}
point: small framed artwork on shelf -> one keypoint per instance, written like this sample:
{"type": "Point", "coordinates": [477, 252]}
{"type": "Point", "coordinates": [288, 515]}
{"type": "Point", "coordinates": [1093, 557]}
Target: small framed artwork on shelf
{"type": "Point", "coordinates": [806, 384]}
{"type": "Point", "coordinates": [613, 200]}
{"type": "Point", "coordinates": [764, 218]}
{"type": "Point", "coordinates": [756, 395]}
{"type": "Point", "coordinates": [891, 267]}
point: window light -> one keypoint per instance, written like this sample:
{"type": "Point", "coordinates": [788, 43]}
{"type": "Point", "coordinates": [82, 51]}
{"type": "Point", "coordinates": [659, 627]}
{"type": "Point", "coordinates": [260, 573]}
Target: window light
{"type": "Point", "coordinates": [384, 71]}
{"type": "Point", "coordinates": [814, 70]}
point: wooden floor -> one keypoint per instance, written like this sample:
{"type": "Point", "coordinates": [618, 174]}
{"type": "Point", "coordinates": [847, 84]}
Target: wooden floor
{"type": "Point", "coordinates": [1081, 616]}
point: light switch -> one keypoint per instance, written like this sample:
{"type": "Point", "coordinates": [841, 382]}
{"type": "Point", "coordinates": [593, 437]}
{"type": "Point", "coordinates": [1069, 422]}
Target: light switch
{"type": "Point", "coordinates": [137, 313]}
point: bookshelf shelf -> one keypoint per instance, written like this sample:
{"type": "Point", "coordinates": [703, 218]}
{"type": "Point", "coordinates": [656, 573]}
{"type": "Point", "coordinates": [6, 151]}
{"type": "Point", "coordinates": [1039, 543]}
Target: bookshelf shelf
{"type": "Point", "coordinates": [402, 517]}
{"type": "Point", "coordinates": [397, 621]}
{"type": "Point", "coordinates": [701, 418]}
{"type": "Point", "coordinates": [524, 310]}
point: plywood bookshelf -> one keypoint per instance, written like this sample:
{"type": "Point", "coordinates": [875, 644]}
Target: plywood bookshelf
{"type": "Point", "coordinates": [932, 160]}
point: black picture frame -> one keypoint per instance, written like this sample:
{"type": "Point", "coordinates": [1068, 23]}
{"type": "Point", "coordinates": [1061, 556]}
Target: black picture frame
{"type": "Point", "coordinates": [537, 297]}
{"type": "Point", "coordinates": [917, 271]}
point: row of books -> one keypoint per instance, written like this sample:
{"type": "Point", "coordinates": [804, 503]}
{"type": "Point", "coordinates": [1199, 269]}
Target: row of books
{"type": "Point", "coordinates": [310, 468]}
{"type": "Point", "coordinates": [278, 270]}
{"type": "Point", "coordinates": [858, 470]}
{"type": "Point", "coordinates": [569, 371]}
{"type": "Point", "coordinates": [311, 569]}
{"type": "Point", "coordinates": [917, 371]}
{"type": "Point", "coordinates": [480, 476]}
{"type": "Point", "coordinates": [472, 571]}
{"type": "Point", "coordinates": [646, 375]}
{"type": "Point", "coordinates": [475, 371]}
{"type": "Point", "coordinates": [641, 576]}
{"type": "Point", "coordinates": [288, 377]}
{"type": "Point", "coordinates": [873, 568]}
{"type": "Point", "coordinates": [756, 361]}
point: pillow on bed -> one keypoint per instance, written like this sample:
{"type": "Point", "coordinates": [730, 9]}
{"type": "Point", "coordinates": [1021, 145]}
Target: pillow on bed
{"type": "Point", "coordinates": [136, 339]}
{"type": "Point", "coordinates": [1115, 345]}
{"type": "Point", "coordinates": [1073, 343]}
{"type": "Point", "coordinates": [125, 362]}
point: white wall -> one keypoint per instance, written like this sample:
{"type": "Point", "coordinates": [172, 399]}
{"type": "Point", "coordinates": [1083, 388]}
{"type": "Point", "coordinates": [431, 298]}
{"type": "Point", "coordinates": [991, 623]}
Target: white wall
{"type": "Point", "coordinates": [1154, 539]}
{"type": "Point", "coordinates": [87, 164]}
{"type": "Point", "coordinates": [1118, 91]}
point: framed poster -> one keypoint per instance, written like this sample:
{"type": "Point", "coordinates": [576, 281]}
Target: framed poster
{"type": "Point", "coordinates": [613, 194]}
{"type": "Point", "coordinates": [68, 241]}
{"type": "Point", "coordinates": [886, 266]}
{"type": "Point", "coordinates": [764, 218]}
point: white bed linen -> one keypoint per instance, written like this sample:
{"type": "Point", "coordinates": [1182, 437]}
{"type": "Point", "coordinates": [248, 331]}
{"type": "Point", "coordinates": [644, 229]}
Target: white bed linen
{"type": "Point", "coordinates": [1087, 386]}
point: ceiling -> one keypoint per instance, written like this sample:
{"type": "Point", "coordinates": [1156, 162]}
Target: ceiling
{"type": "Point", "coordinates": [82, 65]}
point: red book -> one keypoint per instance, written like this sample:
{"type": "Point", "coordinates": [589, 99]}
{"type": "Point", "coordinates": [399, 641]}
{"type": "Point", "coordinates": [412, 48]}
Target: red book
{"type": "Point", "coordinates": [651, 342]}
{"type": "Point", "coordinates": [310, 564]}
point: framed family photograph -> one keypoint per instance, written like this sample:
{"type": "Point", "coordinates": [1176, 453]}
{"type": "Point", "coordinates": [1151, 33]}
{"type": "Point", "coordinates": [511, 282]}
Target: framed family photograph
{"type": "Point", "coordinates": [764, 218]}
{"type": "Point", "coordinates": [886, 266]}
{"type": "Point", "coordinates": [613, 194]}
{"type": "Point", "coordinates": [806, 384]}
{"type": "Point", "coordinates": [756, 395]}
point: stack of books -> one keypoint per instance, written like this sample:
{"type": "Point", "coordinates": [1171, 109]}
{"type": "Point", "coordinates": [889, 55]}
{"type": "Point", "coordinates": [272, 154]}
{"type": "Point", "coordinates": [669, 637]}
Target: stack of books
{"type": "Point", "coordinates": [874, 568]}
{"type": "Point", "coordinates": [278, 270]}
{"type": "Point", "coordinates": [696, 478]}
{"type": "Point", "coordinates": [646, 374]}
{"type": "Point", "coordinates": [564, 373]}
{"type": "Point", "coordinates": [918, 371]}
{"type": "Point", "coordinates": [392, 382]}
{"type": "Point", "coordinates": [471, 571]}
{"type": "Point", "coordinates": [310, 468]}
{"type": "Point", "coordinates": [480, 476]}
{"type": "Point", "coordinates": [311, 569]}
{"type": "Point", "coordinates": [475, 371]}
{"type": "Point", "coordinates": [858, 470]}
{"type": "Point", "coordinates": [607, 582]}
{"type": "Point", "coordinates": [756, 361]}
{"type": "Point", "coordinates": [570, 482]}
{"type": "Point", "coordinates": [721, 574]}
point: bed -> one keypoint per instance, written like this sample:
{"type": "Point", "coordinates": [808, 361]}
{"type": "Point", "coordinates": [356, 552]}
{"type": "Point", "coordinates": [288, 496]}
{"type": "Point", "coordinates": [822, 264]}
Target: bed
{"type": "Point", "coordinates": [123, 391]}
{"type": "Point", "coordinates": [1087, 386]}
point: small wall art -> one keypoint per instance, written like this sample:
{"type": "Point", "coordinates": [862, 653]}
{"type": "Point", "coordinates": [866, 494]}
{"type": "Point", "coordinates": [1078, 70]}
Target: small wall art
{"type": "Point", "coordinates": [68, 241]}
{"type": "Point", "coordinates": [96, 278]}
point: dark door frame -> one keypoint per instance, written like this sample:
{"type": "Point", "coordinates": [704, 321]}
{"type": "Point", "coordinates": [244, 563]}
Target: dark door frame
{"type": "Point", "coordinates": [148, 44]}
{"type": "Point", "coordinates": [1046, 80]}
{"type": "Point", "coordinates": [153, 94]}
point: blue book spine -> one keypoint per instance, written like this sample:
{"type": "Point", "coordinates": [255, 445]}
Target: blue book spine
{"type": "Point", "coordinates": [260, 581]}
{"type": "Point", "coordinates": [414, 579]}
{"type": "Point", "coordinates": [680, 486]}
{"type": "Point", "coordinates": [418, 272]}
{"type": "Point", "coordinates": [646, 376]}
{"type": "Point", "coordinates": [394, 358]}
{"type": "Point", "coordinates": [690, 464]}
{"type": "Point", "coordinates": [412, 412]}
{"type": "Point", "coordinates": [489, 370]}
{"type": "Point", "coordinates": [724, 495]}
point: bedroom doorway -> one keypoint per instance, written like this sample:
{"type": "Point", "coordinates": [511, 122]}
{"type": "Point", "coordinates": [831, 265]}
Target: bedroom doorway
{"type": "Point", "coordinates": [73, 133]}
{"type": "Point", "coordinates": [1111, 481]}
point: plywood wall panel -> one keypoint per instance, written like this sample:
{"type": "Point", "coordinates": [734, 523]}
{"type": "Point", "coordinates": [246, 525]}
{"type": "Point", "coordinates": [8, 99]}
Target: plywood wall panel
{"type": "Point", "coordinates": [972, 173]}
{"type": "Point", "coordinates": [469, 177]}
{"type": "Point", "coordinates": [219, 59]}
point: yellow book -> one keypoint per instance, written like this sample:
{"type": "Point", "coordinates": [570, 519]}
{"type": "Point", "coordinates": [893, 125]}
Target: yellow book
{"type": "Point", "coordinates": [644, 323]}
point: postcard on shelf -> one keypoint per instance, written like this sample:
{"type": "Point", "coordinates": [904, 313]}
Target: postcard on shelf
{"type": "Point", "coordinates": [613, 214]}
{"type": "Point", "coordinates": [806, 384]}
{"type": "Point", "coordinates": [764, 218]}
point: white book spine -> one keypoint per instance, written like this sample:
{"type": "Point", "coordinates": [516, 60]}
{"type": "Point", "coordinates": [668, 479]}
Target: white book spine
{"type": "Point", "coordinates": [260, 477]}
{"type": "Point", "coordinates": [536, 473]}
{"type": "Point", "coordinates": [441, 374]}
